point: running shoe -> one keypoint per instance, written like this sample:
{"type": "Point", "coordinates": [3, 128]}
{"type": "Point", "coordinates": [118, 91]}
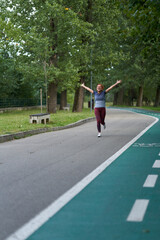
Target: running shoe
{"type": "Point", "coordinates": [99, 134]}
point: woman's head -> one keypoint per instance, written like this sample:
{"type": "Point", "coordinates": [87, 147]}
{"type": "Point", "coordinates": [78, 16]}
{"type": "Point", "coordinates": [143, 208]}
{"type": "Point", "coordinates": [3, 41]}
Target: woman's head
{"type": "Point", "coordinates": [100, 87]}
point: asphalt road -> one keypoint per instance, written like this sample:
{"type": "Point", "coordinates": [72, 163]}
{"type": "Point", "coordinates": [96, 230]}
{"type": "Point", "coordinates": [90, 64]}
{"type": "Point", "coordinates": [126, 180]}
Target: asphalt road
{"type": "Point", "coordinates": [36, 170]}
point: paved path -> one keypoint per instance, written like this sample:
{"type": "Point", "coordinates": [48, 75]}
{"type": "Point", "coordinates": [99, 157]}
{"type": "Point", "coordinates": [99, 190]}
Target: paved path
{"type": "Point", "coordinates": [33, 175]}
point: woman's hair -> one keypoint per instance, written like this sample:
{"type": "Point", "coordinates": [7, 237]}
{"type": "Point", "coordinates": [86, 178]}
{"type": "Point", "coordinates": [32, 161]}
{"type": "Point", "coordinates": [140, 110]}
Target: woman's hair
{"type": "Point", "coordinates": [101, 86]}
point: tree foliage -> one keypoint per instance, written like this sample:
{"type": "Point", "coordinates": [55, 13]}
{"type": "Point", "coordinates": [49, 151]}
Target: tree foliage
{"type": "Point", "coordinates": [55, 45]}
{"type": "Point", "coordinates": [140, 45]}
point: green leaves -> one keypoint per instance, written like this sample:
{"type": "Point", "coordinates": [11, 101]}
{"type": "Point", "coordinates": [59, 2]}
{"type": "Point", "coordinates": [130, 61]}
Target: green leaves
{"type": "Point", "coordinates": [122, 35]}
{"type": "Point", "coordinates": [60, 33]}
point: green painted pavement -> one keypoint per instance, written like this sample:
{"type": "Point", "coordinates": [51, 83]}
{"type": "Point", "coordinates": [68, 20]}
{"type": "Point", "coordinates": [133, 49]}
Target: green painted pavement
{"type": "Point", "coordinates": [100, 211]}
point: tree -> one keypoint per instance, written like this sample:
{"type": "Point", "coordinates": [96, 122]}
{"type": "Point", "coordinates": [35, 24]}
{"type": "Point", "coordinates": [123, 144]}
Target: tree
{"type": "Point", "coordinates": [123, 37]}
{"type": "Point", "coordinates": [103, 17]}
{"type": "Point", "coordinates": [144, 17]}
{"type": "Point", "coordinates": [44, 38]}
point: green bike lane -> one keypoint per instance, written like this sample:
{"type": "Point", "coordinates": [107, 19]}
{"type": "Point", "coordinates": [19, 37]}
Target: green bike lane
{"type": "Point", "coordinates": [122, 202]}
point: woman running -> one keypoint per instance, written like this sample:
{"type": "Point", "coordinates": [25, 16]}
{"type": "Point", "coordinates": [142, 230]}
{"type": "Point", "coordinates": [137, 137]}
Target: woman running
{"type": "Point", "coordinates": [100, 106]}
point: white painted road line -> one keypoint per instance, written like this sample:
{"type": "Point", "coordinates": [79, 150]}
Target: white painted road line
{"type": "Point", "coordinates": [150, 181]}
{"type": "Point", "coordinates": [156, 164]}
{"type": "Point", "coordinates": [138, 210]}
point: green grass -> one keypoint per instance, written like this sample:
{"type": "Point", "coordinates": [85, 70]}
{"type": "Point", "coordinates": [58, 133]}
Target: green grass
{"type": "Point", "coordinates": [157, 109]}
{"type": "Point", "coordinates": [17, 121]}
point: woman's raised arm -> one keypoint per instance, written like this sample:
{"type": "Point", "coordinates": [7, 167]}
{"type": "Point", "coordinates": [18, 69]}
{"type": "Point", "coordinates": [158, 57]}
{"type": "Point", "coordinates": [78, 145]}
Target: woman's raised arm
{"type": "Point", "coordinates": [87, 88]}
{"type": "Point", "coordinates": [108, 89]}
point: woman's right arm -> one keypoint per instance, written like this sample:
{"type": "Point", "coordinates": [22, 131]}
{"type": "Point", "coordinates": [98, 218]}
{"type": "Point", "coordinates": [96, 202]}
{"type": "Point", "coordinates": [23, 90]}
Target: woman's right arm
{"type": "Point", "coordinates": [87, 88]}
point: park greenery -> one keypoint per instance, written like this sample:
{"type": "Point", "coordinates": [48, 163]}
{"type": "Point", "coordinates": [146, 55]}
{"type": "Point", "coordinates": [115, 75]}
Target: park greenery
{"type": "Point", "coordinates": [56, 45]}
{"type": "Point", "coordinates": [18, 120]}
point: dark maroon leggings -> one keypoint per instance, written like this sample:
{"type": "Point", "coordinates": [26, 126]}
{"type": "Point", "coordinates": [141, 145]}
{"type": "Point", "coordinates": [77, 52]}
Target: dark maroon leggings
{"type": "Point", "coordinates": [100, 114]}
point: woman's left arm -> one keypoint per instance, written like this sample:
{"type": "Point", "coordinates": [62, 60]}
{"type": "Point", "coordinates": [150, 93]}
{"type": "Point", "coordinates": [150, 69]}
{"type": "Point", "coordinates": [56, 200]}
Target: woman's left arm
{"type": "Point", "coordinates": [108, 89]}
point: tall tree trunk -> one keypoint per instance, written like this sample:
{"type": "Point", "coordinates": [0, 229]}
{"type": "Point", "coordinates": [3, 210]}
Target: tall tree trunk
{"type": "Point", "coordinates": [52, 86]}
{"type": "Point", "coordinates": [120, 96]}
{"type": "Point", "coordinates": [115, 100]}
{"type": "Point", "coordinates": [52, 97]}
{"type": "Point", "coordinates": [78, 98]}
{"type": "Point", "coordinates": [79, 93]}
{"type": "Point", "coordinates": [157, 99]}
{"type": "Point", "coordinates": [63, 102]}
{"type": "Point", "coordinates": [129, 98]}
{"type": "Point", "coordinates": [140, 97]}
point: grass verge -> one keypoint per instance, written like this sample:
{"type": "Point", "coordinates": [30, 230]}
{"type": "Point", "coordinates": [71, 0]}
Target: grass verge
{"type": "Point", "coordinates": [156, 109]}
{"type": "Point", "coordinates": [18, 121]}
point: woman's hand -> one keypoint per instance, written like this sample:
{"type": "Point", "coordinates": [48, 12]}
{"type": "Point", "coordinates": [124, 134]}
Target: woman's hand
{"type": "Point", "coordinates": [119, 81]}
{"type": "Point", "coordinates": [82, 85]}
